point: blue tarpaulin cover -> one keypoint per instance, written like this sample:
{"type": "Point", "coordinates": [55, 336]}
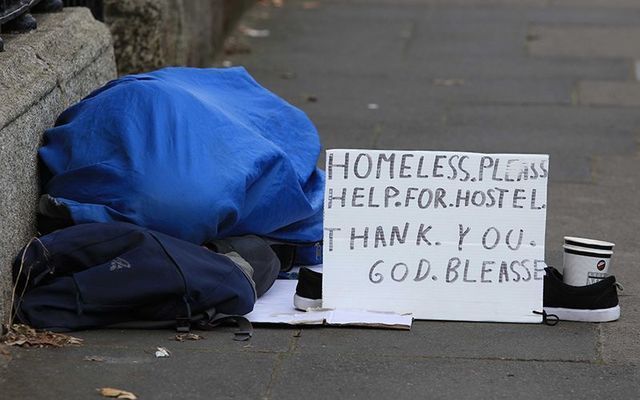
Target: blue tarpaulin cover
{"type": "Point", "coordinates": [195, 153]}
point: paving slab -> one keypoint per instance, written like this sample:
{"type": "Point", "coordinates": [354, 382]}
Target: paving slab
{"type": "Point", "coordinates": [564, 342]}
{"type": "Point", "coordinates": [620, 340]}
{"type": "Point", "coordinates": [65, 374]}
{"type": "Point", "coordinates": [562, 12]}
{"type": "Point", "coordinates": [569, 119]}
{"type": "Point", "coordinates": [609, 93]}
{"type": "Point", "coordinates": [424, 93]}
{"type": "Point", "coordinates": [584, 41]}
{"type": "Point", "coordinates": [359, 134]}
{"type": "Point", "coordinates": [566, 165]}
{"type": "Point", "coordinates": [445, 42]}
{"type": "Point", "coordinates": [369, 376]}
{"type": "Point", "coordinates": [598, 4]}
{"type": "Point", "coordinates": [310, 67]}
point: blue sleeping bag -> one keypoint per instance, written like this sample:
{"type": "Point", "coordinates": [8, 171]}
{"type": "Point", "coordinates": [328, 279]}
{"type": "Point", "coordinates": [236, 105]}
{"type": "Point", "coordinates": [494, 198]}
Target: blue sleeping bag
{"type": "Point", "coordinates": [197, 154]}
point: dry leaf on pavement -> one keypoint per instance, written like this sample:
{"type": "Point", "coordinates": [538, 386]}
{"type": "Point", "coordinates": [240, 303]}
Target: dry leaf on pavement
{"type": "Point", "coordinates": [116, 393]}
{"type": "Point", "coordinates": [23, 335]}
{"type": "Point", "coordinates": [187, 336]}
{"type": "Point", "coordinates": [254, 33]}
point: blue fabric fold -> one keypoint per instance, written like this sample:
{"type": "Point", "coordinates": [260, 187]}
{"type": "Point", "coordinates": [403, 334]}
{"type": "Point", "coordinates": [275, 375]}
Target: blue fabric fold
{"type": "Point", "coordinates": [198, 154]}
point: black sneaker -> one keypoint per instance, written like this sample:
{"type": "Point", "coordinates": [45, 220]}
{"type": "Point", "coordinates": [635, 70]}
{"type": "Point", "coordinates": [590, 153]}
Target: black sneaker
{"type": "Point", "coordinates": [309, 290]}
{"type": "Point", "coordinates": [592, 303]}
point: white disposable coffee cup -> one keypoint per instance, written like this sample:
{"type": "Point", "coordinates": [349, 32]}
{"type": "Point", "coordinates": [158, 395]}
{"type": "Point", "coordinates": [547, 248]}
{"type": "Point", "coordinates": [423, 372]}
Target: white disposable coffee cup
{"type": "Point", "coordinates": [588, 243]}
{"type": "Point", "coordinates": [585, 266]}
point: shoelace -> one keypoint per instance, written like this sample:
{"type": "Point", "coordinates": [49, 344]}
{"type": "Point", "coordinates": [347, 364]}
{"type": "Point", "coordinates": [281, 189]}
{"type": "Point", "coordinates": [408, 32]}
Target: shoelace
{"type": "Point", "coordinates": [548, 319]}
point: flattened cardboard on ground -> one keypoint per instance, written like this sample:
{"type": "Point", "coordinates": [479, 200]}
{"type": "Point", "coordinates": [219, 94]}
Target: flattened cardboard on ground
{"type": "Point", "coordinates": [276, 307]}
{"type": "Point", "coordinates": [441, 235]}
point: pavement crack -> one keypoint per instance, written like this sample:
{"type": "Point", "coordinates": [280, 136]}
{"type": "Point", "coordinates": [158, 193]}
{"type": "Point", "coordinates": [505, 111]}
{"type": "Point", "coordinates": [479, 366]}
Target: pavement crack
{"type": "Point", "coordinates": [377, 132]}
{"type": "Point", "coordinates": [599, 345]}
{"type": "Point", "coordinates": [280, 359]}
{"type": "Point", "coordinates": [274, 375]}
{"type": "Point", "coordinates": [293, 344]}
{"type": "Point", "coordinates": [408, 35]}
{"type": "Point", "coordinates": [487, 358]}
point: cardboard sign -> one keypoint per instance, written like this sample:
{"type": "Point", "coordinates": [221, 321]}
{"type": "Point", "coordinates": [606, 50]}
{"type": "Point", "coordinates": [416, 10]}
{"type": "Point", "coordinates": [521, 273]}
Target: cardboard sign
{"type": "Point", "coordinates": [442, 235]}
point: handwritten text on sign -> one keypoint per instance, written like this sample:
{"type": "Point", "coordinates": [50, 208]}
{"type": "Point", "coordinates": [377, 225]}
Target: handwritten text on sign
{"type": "Point", "coordinates": [442, 235]}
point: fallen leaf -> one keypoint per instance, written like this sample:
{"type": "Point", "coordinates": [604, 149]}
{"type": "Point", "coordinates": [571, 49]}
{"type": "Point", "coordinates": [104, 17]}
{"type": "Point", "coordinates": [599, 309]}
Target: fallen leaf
{"type": "Point", "coordinates": [23, 335]}
{"type": "Point", "coordinates": [448, 82]}
{"type": "Point", "coordinates": [116, 393]}
{"type": "Point", "coordinates": [162, 352]}
{"type": "Point", "coordinates": [71, 340]}
{"type": "Point", "coordinates": [18, 342]}
{"type": "Point", "coordinates": [277, 3]}
{"type": "Point", "coordinates": [94, 358]}
{"type": "Point", "coordinates": [22, 329]}
{"type": "Point", "coordinates": [312, 99]}
{"type": "Point", "coordinates": [255, 33]}
{"type": "Point", "coordinates": [187, 336]}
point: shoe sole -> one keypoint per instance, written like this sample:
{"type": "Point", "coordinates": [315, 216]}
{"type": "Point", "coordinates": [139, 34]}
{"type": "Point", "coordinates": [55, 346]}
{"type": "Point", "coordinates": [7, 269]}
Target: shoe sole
{"type": "Point", "coordinates": [303, 303]}
{"type": "Point", "coordinates": [572, 314]}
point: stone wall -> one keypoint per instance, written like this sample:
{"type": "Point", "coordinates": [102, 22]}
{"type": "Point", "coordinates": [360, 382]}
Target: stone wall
{"type": "Point", "coordinates": [149, 34]}
{"type": "Point", "coordinates": [68, 56]}
{"type": "Point", "coordinates": [41, 74]}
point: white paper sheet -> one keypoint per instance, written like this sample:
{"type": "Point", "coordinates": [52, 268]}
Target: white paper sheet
{"type": "Point", "coordinates": [276, 307]}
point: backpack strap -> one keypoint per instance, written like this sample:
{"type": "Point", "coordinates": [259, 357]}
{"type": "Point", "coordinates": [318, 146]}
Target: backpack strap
{"type": "Point", "coordinates": [206, 321]}
{"type": "Point", "coordinates": [183, 322]}
{"type": "Point", "coordinates": [245, 329]}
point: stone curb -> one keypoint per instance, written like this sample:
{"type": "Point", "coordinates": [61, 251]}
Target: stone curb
{"type": "Point", "coordinates": [41, 74]}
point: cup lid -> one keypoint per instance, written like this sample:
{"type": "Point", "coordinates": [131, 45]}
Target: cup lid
{"type": "Point", "coordinates": [588, 243]}
{"type": "Point", "coordinates": [583, 251]}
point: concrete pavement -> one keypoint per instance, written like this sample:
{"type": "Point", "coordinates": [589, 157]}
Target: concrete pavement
{"type": "Point", "coordinates": [551, 76]}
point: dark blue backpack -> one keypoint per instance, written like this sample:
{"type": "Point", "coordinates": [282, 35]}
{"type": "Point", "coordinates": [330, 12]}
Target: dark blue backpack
{"type": "Point", "coordinates": [122, 275]}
